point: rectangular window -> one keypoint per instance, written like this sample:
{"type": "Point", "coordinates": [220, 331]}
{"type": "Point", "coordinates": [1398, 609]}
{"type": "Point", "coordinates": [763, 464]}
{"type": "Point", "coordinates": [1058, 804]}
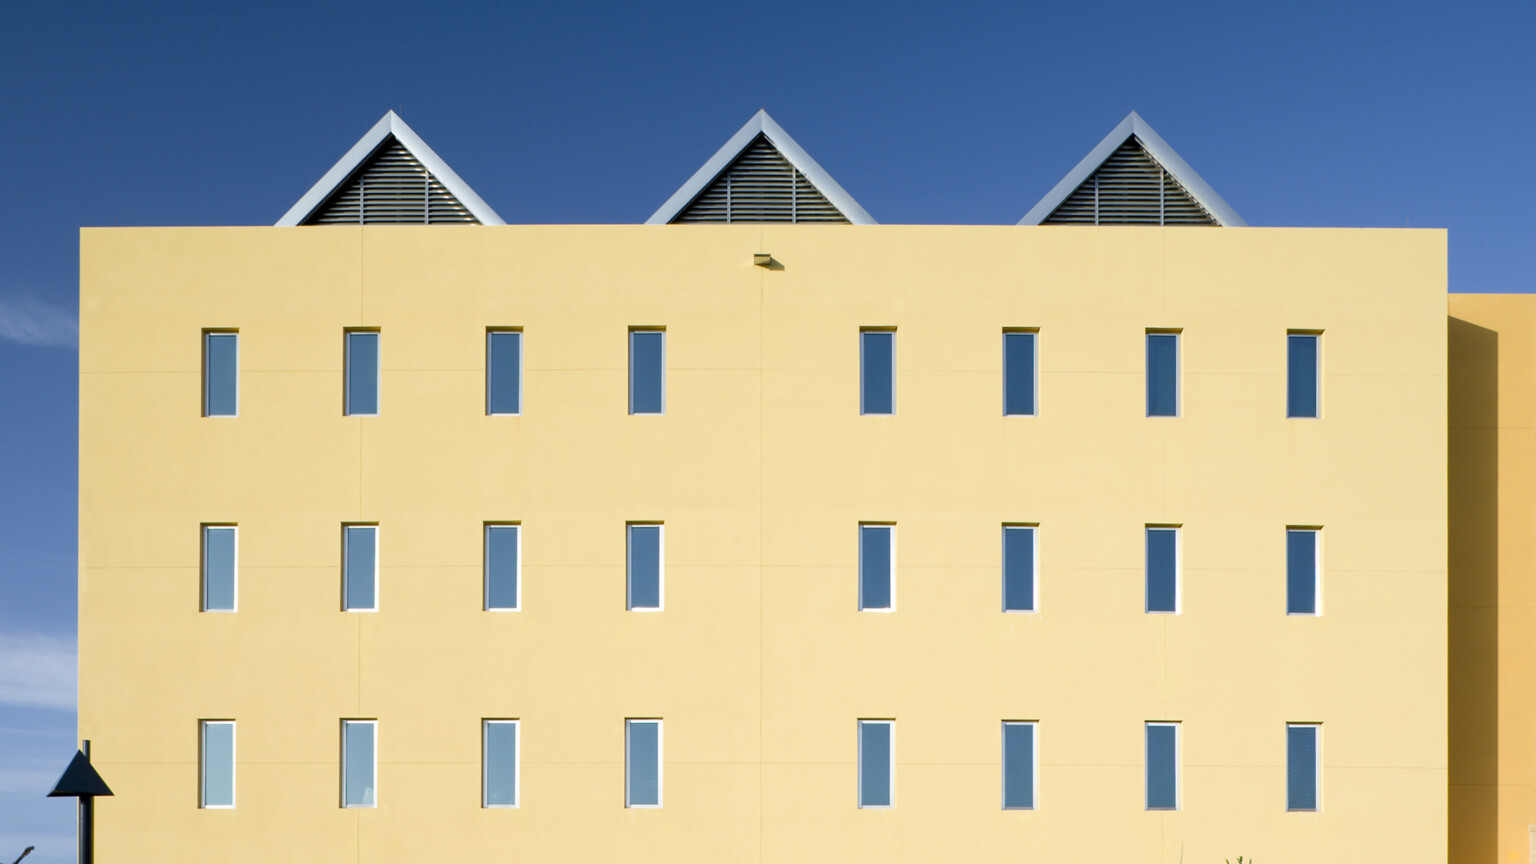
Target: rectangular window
{"type": "Point", "coordinates": [1162, 374]}
{"type": "Point", "coordinates": [642, 763]}
{"type": "Point", "coordinates": [1018, 765]}
{"type": "Point", "coordinates": [877, 371]}
{"type": "Point", "coordinates": [647, 371]}
{"type": "Point", "coordinates": [645, 550]}
{"type": "Point", "coordinates": [504, 372]}
{"type": "Point", "coordinates": [360, 568]}
{"type": "Point", "coordinates": [1301, 374]}
{"type": "Point", "coordinates": [359, 763]}
{"type": "Point", "coordinates": [221, 373]}
{"type": "Point", "coordinates": [503, 563]}
{"type": "Point", "coordinates": [877, 567]}
{"type": "Point", "coordinates": [220, 576]}
{"type": "Point", "coordinates": [1162, 569]}
{"type": "Point", "coordinates": [877, 762]}
{"type": "Point", "coordinates": [1162, 766]}
{"type": "Point", "coordinates": [1018, 568]}
{"type": "Point", "coordinates": [1301, 766]}
{"type": "Point", "coordinates": [1303, 572]}
{"type": "Point", "coordinates": [1019, 372]}
{"type": "Point", "coordinates": [217, 750]}
{"type": "Point", "coordinates": [362, 362]}
{"type": "Point", "coordinates": [499, 744]}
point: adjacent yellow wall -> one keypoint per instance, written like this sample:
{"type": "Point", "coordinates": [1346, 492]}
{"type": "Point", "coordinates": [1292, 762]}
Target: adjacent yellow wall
{"type": "Point", "coordinates": [761, 470]}
{"type": "Point", "coordinates": [1492, 592]}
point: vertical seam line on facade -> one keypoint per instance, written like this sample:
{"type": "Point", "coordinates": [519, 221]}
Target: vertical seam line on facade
{"type": "Point", "coordinates": [761, 587]}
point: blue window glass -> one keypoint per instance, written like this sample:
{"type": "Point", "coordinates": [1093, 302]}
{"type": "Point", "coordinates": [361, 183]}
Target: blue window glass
{"type": "Point", "coordinates": [875, 763]}
{"type": "Point", "coordinates": [1018, 766]}
{"type": "Point", "coordinates": [362, 396]}
{"type": "Point", "coordinates": [645, 546]}
{"type": "Point", "coordinates": [1162, 374]}
{"type": "Point", "coordinates": [501, 566]}
{"type": "Point", "coordinates": [1301, 767]}
{"type": "Point", "coordinates": [1018, 373]}
{"type": "Point", "coordinates": [221, 372]}
{"type": "Point", "coordinates": [504, 372]}
{"type": "Point", "coordinates": [877, 372]}
{"type": "Point", "coordinates": [219, 545]}
{"type": "Point", "coordinates": [1301, 375]}
{"type": "Point", "coordinates": [1162, 766]}
{"type": "Point", "coordinates": [218, 781]}
{"type": "Point", "coordinates": [647, 371]}
{"type": "Point", "coordinates": [358, 766]}
{"type": "Point", "coordinates": [642, 764]}
{"type": "Point", "coordinates": [876, 558]}
{"type": "Point", "coordinates": [1300, 571]}
{"type": "Point", "coordinates": [1162, 569]}
{"type": "Point", "coordinates": [1018, 568]}
{"type": "Point", "coordinates": [500, 763]}
{"type": "Point", "coordinates": [360, 567]}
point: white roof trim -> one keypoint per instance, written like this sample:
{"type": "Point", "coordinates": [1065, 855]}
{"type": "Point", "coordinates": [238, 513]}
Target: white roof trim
{"type": "Point", "coordinates": [390, 124]}
{"type": "Point", "coordinates": [1159, 149]}
{"type": "Point", "coordinates": [761, 123]}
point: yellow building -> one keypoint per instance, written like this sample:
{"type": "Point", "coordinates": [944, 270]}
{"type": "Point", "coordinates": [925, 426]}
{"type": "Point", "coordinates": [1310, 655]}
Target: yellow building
{"type": "Point", "coordinates": [768, 541]}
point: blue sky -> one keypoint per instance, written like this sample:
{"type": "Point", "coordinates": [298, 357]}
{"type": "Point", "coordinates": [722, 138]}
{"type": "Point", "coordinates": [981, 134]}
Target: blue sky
{"type": "Point", "coordinates": [1301, 114]}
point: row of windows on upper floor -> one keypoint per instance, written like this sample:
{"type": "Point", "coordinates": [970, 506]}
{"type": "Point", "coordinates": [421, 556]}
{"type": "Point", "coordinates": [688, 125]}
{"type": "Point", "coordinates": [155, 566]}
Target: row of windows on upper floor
{"type": "Point", "coordinates": [645, 570]}
{"type": "Point", "coordinates": [647, 372]}
{"type": "Point", "coordinates": [500, 764]}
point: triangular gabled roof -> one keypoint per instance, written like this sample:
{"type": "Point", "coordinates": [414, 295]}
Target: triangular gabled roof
{"type": "Point", "coordinates": [759, 149]}
{"type": "Point", "coordinates": [392, 149]}
{"type": "Point", "coordinates": [80, 780]}
{"type": "Point", "coordinates": [1126, 151]}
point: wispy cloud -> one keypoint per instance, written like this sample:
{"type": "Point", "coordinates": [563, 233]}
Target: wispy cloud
{"type": "Point", "coordinates": [31, 321]}
{"type": "Point", "coordinates": [37, 671]}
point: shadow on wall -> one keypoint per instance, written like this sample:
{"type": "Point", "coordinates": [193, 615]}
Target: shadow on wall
{"type": "Point", "coordinates": [1473, 580]}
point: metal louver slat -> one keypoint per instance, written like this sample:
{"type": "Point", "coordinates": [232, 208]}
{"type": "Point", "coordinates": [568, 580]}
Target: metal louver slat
{"type": "Point", "coordinates": [760, 185]}
{"type": "Point", "coordinates": [1130, 188]}
{"type": "Point", "coordinates": [391, 186]}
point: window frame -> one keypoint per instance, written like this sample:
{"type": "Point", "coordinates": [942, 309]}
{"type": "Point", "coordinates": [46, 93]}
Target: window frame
{"type": "Point", "coordinates": [1034, 566]}
{"type": "Point", "coordinates": [662, 386]}
{"type": "Point", "coordinates": [629, 566]}
{"type": "Point", "coordinates": [517, 567]}
{"type": "Point", "coordinates": [890, 570]}
{"type": "Point", "coordinates": [1178, 568]}
{"type": "Point", "coordinates": [346, 567]}
{"type": "Point", "coordinates": [347, 367]}
{"type": "Point", "coordinates": [485, 762]}
{"type": "Point", "coordinates": [890, 756]}
{"type": "Point", "coordinates": [864, 408]}
{"type": "Point", "coordinates": [202, 764]}
{"type": "Point", "coordinates": [1316, 337]}
{"type": "Point", "coordinates": [234, 587]}
{"type": "Point", "coordinates": [1034, 764]}
{"type": "Point", "coordinates": [1317, 569]}
{"type": "Point", "coordinates": [661, 762]}
{"type": "Point", "coordinates": [490, 339]}
{"type": "Point", "coordinates": [208, 335]}
{"type": "Point", "coordinates": [1317, 768]}
{"type": "Point", "coordinates": [1178, 760]}
{"type": "Point", "coordinates": [1178, 368]}
{"type": "Point", "coordinates": [373, 761]}
{"type": "Point", "coordinates": [1034, 370]}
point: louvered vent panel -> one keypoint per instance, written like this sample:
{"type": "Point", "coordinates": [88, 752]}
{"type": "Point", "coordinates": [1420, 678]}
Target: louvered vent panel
{"type": "Point", "coordinates": [1130, 188]}
{"type": "Point", "coordinates": [760, 186]}
{"type": "Point", "coordinates": [391, 187]}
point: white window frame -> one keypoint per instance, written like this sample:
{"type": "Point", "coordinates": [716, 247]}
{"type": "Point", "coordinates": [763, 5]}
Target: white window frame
{"type": "Point", "coordinates": [220, 331]}
{"type": "Point", "coordinates": [1317, 384]}
{"type": "Point", "coordinates": [631, 343]}
{"type": "Point", "coordinates": [1034, 764]}
{"type": "Point", "coordinates": [1034, 583]}
{"type": "Point", "coordinates": [1178, 569]}
{"type": "Point", "coordinates": [862, 361]}
{"type": "Point", "coordinates": [346, 604]}
{"type": "Point", "coordinates": [890, 574]}
{"type": "Point", "coordinates": [375, 764]}
{"type": "Point", "coordinates": [890, 767]}
{"type": "Point", "coordinates": [660, 762]}
{"type": "Point", "coordinates": [661, 567]}
{"type": "Point", "coordinates": [1178, 766]}
{"type": "Point", "coordinates": [485, 764]}
{"type": "Point", "coordinates": [1034, 367]}
{"type": "Point", "coordinates": [1178, 369]}
{"type": "Point", "coordinates": [202, 764]}
{"type": "Point", "coordinates": [1317, 767]}
{"type": "Point", "coordinates": [235, 588]}
{"type": "Point", "coordinates": [490, 333]}
{"type": "Point", "coordinates": [1317, 571]}
{"type": "Point", "coordinates": [346, 373]}
{"type": "Point", "coordinates": [485, 566]}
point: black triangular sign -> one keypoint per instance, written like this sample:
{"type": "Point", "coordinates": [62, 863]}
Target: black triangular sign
{"type": "Point", "coordinates": [80, 780]}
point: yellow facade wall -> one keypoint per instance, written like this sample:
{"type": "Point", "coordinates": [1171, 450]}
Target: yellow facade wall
{"type": "Point", "coordinates": [761, 469]}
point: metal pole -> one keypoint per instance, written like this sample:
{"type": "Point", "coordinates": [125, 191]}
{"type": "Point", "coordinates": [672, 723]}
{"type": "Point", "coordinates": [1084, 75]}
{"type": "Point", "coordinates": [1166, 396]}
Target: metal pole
{"type": "Point", "coordinates": [87, 841]}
